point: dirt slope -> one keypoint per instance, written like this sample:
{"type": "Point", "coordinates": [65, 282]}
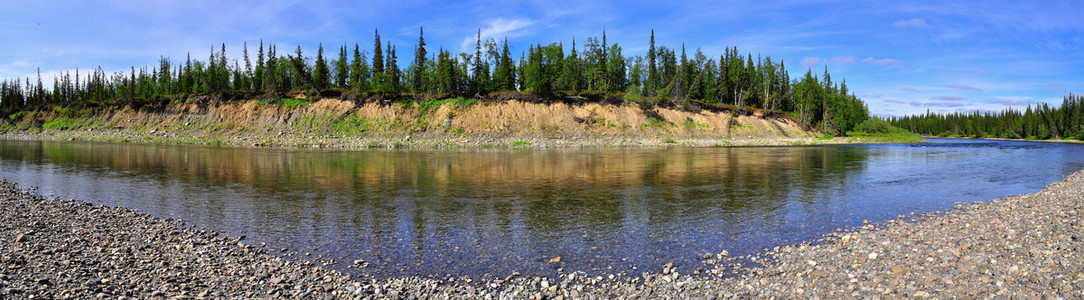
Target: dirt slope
{"type": "Point", "coordinates": [509, 118]}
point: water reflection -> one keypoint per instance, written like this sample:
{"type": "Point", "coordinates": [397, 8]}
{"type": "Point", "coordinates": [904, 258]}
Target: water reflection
{"type": "Point", "coordinates": [473, 212]}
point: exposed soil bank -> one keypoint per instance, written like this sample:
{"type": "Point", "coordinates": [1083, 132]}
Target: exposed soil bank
{"type": "Point", "coordinates": [1028, 245]}
{"type": "Point", "coordinates": [336, 123]}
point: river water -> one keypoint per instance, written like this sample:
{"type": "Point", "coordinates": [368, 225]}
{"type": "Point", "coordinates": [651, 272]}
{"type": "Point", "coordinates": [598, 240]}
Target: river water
{"type": "Point", "coordinates": [502, 211]}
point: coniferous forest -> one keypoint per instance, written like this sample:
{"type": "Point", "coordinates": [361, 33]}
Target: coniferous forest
{"type": "Point", "coordinates": [591, 68]}
{"type": "Point", "coordinates": [1035, 122]}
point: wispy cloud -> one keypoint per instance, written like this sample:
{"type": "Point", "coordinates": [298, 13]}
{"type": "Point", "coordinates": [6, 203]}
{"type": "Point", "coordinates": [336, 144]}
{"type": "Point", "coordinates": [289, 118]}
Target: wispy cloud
{"type": "Point", "coordinates": [909, 89]}
{"type": "Point", "coordinates": [1072, 86]}
{"type": "Point", "coordinates": [948, 98]}
{"type": "Point", "coordinates": [498, 29]}
{"type": "Point", "coordinates": [1052, 90]}
{"type": "Point", "coordinates": [810, 61]}
{"type": "Point", "coordinates": [937, 104]}
{"type": "Point", "coordinates": [882, 61]}
{"type": "Point", "coordinates": [913, 23]}
{"type": "Point", "coordinates": [963, 87]}
{"type": "Point", "coordinates": [845, 59]}
{"type": "Point", "coordinates": [1008, 102]}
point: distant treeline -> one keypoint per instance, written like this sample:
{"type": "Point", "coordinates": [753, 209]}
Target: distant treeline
{"type": "Point", "coordinates": [552, 71]}
{"type": "Point", "coordinates": [1038, 122]}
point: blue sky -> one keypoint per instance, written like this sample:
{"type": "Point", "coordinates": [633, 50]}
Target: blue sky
{"type": "Point", "coordinates": [900, 57]}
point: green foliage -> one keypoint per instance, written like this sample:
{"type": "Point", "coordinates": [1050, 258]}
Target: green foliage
{"type": "Point", "coordinates": [596, 67]}
{"type": "Point", "coordinates": [1035, 122]}
{"type": "Point", "coordinates": [669, 141]}
{"type": "Point", "coordinates": [520, 143]}
{"type": "Point", "coordinates": [878, 128]}
{"type": "Point", "coordinates": [875, 125]}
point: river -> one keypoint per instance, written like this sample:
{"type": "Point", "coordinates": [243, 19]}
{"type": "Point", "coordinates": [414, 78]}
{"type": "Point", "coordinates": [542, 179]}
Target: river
{"type": "Point", "coordinates": [467, 213]}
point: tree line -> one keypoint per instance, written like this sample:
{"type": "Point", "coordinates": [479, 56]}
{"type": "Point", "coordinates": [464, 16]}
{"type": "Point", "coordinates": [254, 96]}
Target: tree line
{"type": "Point", "coordinates": [1039, 122]}
{"type": "Point", "coordinates": [592, 66]}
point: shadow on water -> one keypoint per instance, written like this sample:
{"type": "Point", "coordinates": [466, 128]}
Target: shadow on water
{"type": "Point", "coordinates": [477, 212]}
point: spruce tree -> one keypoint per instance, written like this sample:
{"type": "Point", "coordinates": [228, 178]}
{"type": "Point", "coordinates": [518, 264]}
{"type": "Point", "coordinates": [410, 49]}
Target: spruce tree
{"type": "Point", "coordinates": [257, 78]}
{"type": "Point", "coordinates": [417, 68]}
{"type": "Point", "coordinates": [477, 71]}
{"type": "Point", "coordinates": [652, 69]}
{"type": "Point", "coordinates": [342, 72]}
{"type": "Point", "coordinates": [392, 71]}
{"type": "Point", "coordinates": [247, 78]}
{"type": "Point", "coordinates": [506, 70]}
{"type": "Point", "coordinates": [359, 72]}
{"type": "Point", "coordinates": [378, 55]}
{"type": "Point", "coordinates": [321, 74]}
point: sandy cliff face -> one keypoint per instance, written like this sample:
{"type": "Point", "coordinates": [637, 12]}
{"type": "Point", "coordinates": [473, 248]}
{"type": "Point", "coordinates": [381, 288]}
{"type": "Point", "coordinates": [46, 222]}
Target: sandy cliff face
{"type": "Point", "coordinates": [508, 118]}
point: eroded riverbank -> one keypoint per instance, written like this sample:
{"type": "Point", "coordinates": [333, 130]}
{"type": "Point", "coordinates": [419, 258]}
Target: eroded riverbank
{"type": "Point", "coordinates": [336, 123]}
{"type": "Point", "coordinates": [1027, 245]}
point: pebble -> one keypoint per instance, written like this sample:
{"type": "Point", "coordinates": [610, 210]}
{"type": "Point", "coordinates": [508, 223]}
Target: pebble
{"type": "Point", "coordinates": [1013, 247]}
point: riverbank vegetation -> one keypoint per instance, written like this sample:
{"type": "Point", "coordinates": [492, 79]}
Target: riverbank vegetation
{"type": "Point", "coordinates": [590, 70]}
{"type": "Point", "coordinates": [1039, 122]}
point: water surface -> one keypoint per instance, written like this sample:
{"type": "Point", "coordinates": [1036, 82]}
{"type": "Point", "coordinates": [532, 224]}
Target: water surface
{"type": "Point", "coordinates": [476, 212]}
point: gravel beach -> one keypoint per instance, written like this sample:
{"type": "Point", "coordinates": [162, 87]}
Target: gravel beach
{"type": "Point", "coordinates": [1026, 246]}
{"type": "Point", "coordinates": [428, 141]}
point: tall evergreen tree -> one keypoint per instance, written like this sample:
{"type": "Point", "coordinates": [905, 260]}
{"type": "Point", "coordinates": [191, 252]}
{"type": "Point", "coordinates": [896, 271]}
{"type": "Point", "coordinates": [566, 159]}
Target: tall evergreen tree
{"type": "Point", "coordinates": [477, 71]}
{"type": "Point", "coordinates": [506, 70]}
{"type": "Point", "coordinates": [652, 69]}
{"type": "Point", "coordinates": [321, 74]}
{"type": "Point", "coordinates": [342, 71]}
{"type": "Point", "coordinates": [258, 77]}
{"type": "Point", "coordinates": [359, 72]}
{"type": "Point", "coordinates": [392, 71]}
{"type": "Point", "coordinates": [378, 55]}
{"type": "Point", "coordinates": [417, 74]}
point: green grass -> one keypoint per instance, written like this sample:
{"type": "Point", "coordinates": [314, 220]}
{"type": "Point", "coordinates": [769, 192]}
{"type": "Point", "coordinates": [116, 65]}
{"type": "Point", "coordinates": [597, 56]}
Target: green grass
{"type": "Point", "coordinates": [428, 106]}
{"type": "Point", "coordinates": [289, 103]}
{"type": "Point", "coordinates": [906, 138]}
{"type": "Point", "coordinates": [63, 123]}
{"type": "Point", "coordinates": [693, 124]}
{"type": "Point", "coordinates": [669, 141]}
{"type": "Point", "coordinates": [656, 123]}
{"type": "Point", "coordinates": [741, 126]}
{"type": "Point", "coordinates": [354, 125]}
{"type": "Point", "coordinates": [23, 114]}
{"type": "Point", "coordinates": [520, 143]}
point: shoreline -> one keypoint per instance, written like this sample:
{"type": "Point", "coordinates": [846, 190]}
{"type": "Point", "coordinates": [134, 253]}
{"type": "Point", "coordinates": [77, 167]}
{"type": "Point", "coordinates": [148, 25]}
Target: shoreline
{"type": "Point", "coordinates": [1064, 141]}
{"type": "Point", "coordinates": [1025, 245]}
{"type": "Point", "coordinates": [429, 141]}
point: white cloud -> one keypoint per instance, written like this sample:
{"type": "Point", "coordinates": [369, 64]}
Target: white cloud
{"type": "Point", "coordinates": [963, 87]}
{"type": "Point", "coordinates": [810, 61]}
{"type": "Point", "coordinates": [916, 23]}
{"type": "Point", "coordinates": [499, 28]}
{"type": "Point", "coordinates": [949, 98]}
{"type": "Point", "coordinates": [882, 61]}
{"type": "Point", "coordinates": [845, 59]}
